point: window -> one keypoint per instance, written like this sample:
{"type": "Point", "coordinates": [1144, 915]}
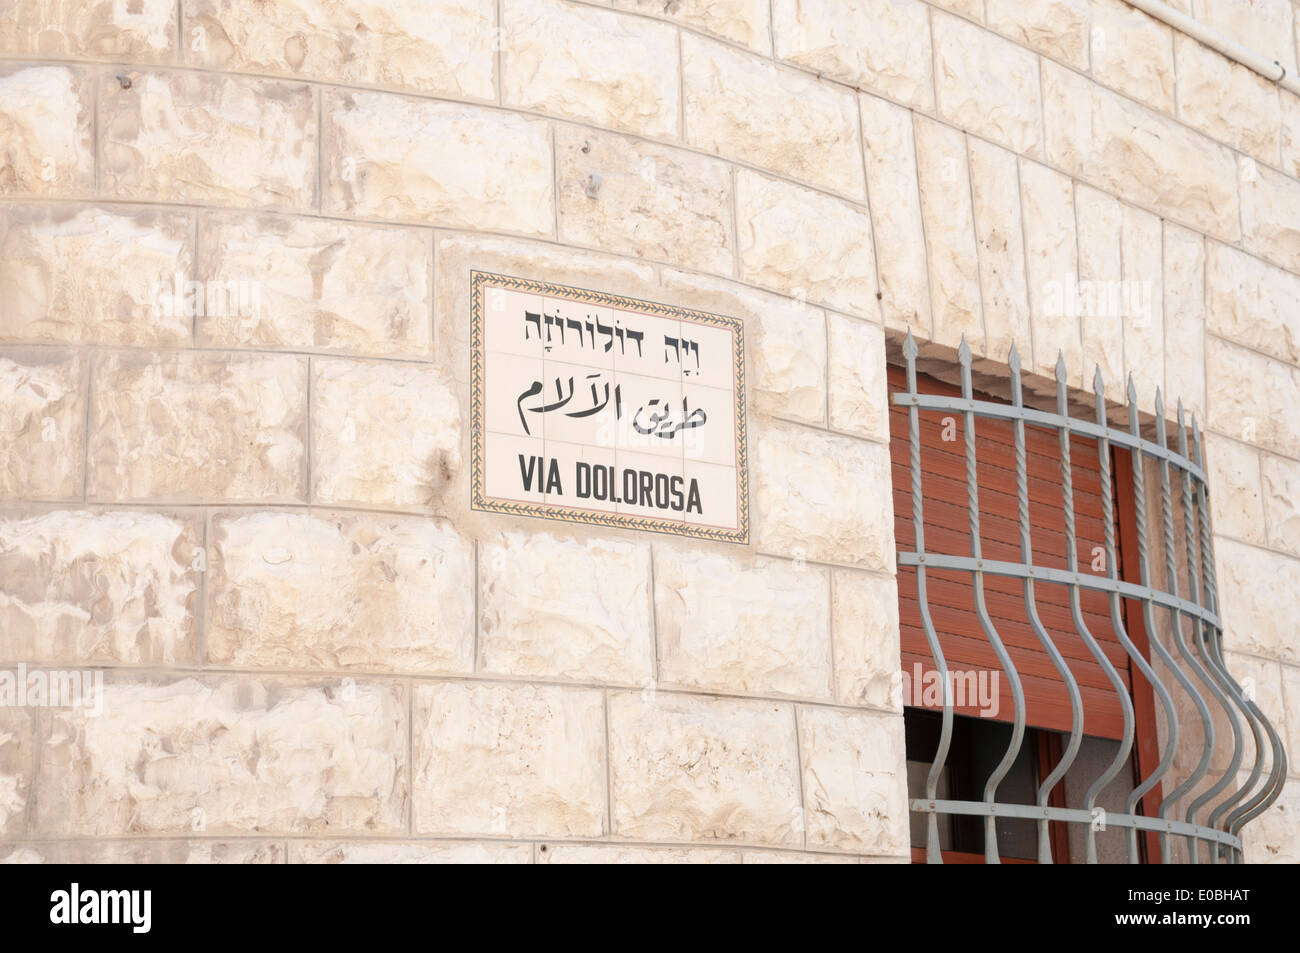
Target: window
{"type": "Point", "coordinates": [1040, 550]}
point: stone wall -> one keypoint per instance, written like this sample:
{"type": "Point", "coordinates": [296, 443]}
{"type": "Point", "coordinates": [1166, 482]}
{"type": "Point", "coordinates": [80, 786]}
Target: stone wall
{"type": "Point", "coordinates": [259, 529]}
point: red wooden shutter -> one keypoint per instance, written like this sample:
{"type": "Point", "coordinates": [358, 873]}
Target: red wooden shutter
{"type": "Point", "coordinates": [951, 594]}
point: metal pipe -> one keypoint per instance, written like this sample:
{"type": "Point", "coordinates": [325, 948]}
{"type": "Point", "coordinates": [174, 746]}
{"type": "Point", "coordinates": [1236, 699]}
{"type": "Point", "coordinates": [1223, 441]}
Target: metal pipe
{"type": "Point", "coordinates": [1270, 69]}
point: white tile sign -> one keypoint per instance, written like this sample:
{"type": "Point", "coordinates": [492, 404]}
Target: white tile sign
{"type": "Point", "coordinates": [603, 409]}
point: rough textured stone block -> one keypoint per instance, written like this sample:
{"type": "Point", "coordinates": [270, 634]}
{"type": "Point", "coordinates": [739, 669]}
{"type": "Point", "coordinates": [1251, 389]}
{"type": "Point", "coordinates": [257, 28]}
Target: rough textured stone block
{"type": "Point", "coordinates": [1252, 303]}
{"type": "Point", "coordinates": [1282, 511]}
{"type": "Point", "coordinates": [208, 139]}
{"type": "Point", "coordinates": [1051, 257]}
{"type": "Point", "coordinates": [42, 425]}
{"type": "Point", "coordinates": [320, 285]}
{"type": "Point", "coordinates": [1133, 53]}
{"type": "Point", "coordinates": [309, 591]}
{"type": "Point", "coordinates": [805, 244]}
{"type": "Point", "coordinates": [46, 113]}
{"type": "Point", "coordinates": [855, 792]}
{"type": "Point", "coordinates": [190, 427]}
{"type": "Point", "coordinates": [436, 163]}
{"type": "Point", "coordinates": [987, 85]}
{"type": "Point", "coordinates": [704, 769]}
{"type": "Point", "coordinates": [873, 44]}
{"type": "Point", "coordinates": [617, 854]}
{"type": "Point", "coordinates": [786, 374]}
{"type": "Point", "coordinates": [864, 624]}
{"type": "Point", "coordinates": [17, 768]}
{"type": "Point", "coordinates": [1270, 214]}
{"type": "Point", "coordinates": [82, 587]}
{"type": "Point", "coordinates": [1245, 391]}
{"type": "Point", "coordinates": [571, 60]}
{"type": "Point", "coordinates": [1290, 133]}
{"type": "Point", "coordinates": [1100, 222]}
{"type": "Point", "coordinates": [823, 497]}
{"type": "Point", "coordinates": [1058, 28]}
{"type": "Point", "coordinates": [556, 607]}
{"type": "Point", "coordinates": [741, 21]}
{"type": "Point", "coordinates": [1141, 249]}
{"type": "Point", "coordinates": [1253, 583]}
{"type": "Point", "coordinates": [221, 755]}
{"type": "Point", "coordinates": [382, 434]}
{"type": "Point", "coordinates": [999, 231]}
{"type": "Point", "coordinates": [859, 398]}
{"type": "Point", "coordinates": [143, 32]}
{"type": "Point", "coordinates": [1270, 838]}
{"type": "Point", "coordinates": [635, 198]}
{"type": "Point", "coordinates": [1226, 100]}
{"type": "Point", "coordinates": [1139, 155]}
{"type": "Point", "coordinates": [1236, 503]}
{"type": "Point", "coordinates": [1185, 308]}
{"type": "Point", "coordinates": [949, 234]}
{"type": "Point", "coordinates": [444, 46]}
{"type": "Point", "coordinates": [95, 275]}
{"type": "Point", "coordinates": [747, 108]}
{"type": "Point", "coordinates": [889, 147]}
{"type": "Point", "coordinates": [515, 761]}
{"type": "Point", "coordinates": [195, 851]}
{"type": "Point", "coordinates": [1259, 25]}
{"type": "Point", "coordinates": [747, 629]}
{"type": "Point", "coordinates": [1291, 698]}
{"type": "Point", "coordinates": [408, 852]}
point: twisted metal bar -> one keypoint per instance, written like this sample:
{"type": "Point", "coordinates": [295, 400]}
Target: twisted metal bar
{"type": "Point", "coordinates": [1112, 572]}
{"type": "Point", "coordinates": [1176, 626]}
{"type": "Point", "coordinates": [991, 855]}
{"type": "Point", "coordinates": [932, 853]}
{"type": "Point", "coordinates": [1076, 614]}
{"type": "Point", "coordinates": [1031, 605]}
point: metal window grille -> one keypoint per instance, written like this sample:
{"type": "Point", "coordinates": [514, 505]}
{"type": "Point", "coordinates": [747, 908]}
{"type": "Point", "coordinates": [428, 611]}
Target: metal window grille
{"type": "Point", "coordinates": [1215, 817]}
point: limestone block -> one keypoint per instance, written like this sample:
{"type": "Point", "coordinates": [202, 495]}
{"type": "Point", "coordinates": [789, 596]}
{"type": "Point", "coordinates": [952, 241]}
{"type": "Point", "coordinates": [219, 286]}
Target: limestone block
{"type": "Point", "coordinates": [747, 108]}
{"type": "Point", "coordinates": [882, 45]}
{"type": "Point", "coordinates": [425, 162]}
{"type": "Point", "coordinates": [83, 587]}
{"type": "Point", "coordinates": [690, 768]}
{"type": "Point", "coordinates": [383, 434]}
{"type": "Point", "coordinates": [229, 754]}
{"type": "Point", "coordinates": [823, 497]}
{"type": "Point", "coordinates": [889, 147]}
{"type": "Point", "coordinates": [987, 85]}
{"type": "Point", "coordinates": [509, 760]}
{"type": "Point", "coordinates": [42, 424]}
{"type": "Point", "coordinates": [46, 114]}
{"type": "Point", "coordinates": [636, 198]}
{"type": "Point", "coordinates": [805, 244]}
{"type": "Point", "coordinates": [94, 276]}
{"type": "Point", "coordinates": [319, 285]}
{"type": "Point", "coordinates": [760, 629]}
{"type": "Point", "coordinates": [444, 46]}
{"type": "Point", "coordinates": [198, 426]}
{"type": "Point", "coordinates": [594, 65]}
{"type": "Point", "coordinates": [314, 591]}
{"type": "Point", "coordinates": [208, 139]}
{"type": "Point", "coordinates": [556, 607]}
{"type": "Point", "coordinates": [854, 780]}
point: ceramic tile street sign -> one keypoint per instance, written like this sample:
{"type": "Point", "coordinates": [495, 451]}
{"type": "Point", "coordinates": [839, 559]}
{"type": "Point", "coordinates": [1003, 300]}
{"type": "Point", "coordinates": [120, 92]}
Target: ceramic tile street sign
{"type": "Point", "coordinates": [603, 409]}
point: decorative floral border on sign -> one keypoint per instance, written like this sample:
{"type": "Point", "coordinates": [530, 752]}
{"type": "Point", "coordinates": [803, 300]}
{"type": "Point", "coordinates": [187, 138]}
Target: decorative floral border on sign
{"type": "Point", "coordinates": [479, 500]}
